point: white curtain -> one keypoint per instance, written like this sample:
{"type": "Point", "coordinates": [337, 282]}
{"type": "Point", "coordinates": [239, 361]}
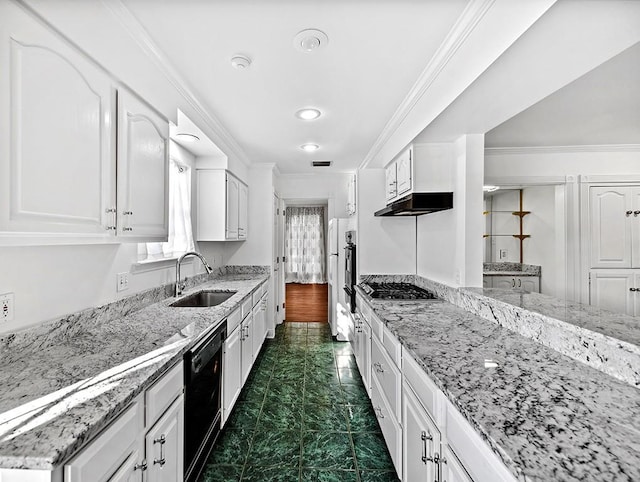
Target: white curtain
{"type": "Point", "coordinates": [304, 245]}
{"type": "Point", "coordinates": [180, 230]}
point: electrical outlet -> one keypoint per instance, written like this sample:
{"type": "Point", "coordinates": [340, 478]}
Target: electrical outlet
{"type": "Point", "coordinates": [122, 281]}
{"type": "Point", "coordinates": [6, 307]}
{"type": "Point", "coordinates": [503, 253]}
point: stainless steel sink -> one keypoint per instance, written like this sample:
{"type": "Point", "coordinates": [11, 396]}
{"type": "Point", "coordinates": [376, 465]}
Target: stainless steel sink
{"type": "Point", "coordinates": [203, 299]}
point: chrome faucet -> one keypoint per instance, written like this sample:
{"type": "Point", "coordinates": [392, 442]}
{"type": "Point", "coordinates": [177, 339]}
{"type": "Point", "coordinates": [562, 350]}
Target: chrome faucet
{"type": "Point", "coordinates": [180, 285]}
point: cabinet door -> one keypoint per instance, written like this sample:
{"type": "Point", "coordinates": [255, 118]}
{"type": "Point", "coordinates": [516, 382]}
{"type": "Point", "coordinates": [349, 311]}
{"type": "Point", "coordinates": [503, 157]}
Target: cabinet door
{"type": "Point", "coordinates": [243, 199]}
{"type": "Point", "coordinates": [232, 372]}
{"type": "Point", "coordinates": [233, 193]}
{"type": "Point", "coordinates": [57, 158]}
{"type": "Point", "coordinates": [390, 176]}
{"type": "Point", "coordinates": [635, 227]}
{"type": "Point", "coordinates": [421, 440]}
{"type": "Point", "coordinates": [528, 283]}
{"type": "Point", "coordinates": [258, 328]}
{"type": "Point", "coordinates": [504, 282]}
{"type": "Point", "coordinates": [452, 468]}
{"type": "Point", "coordinates": [164, 445]}
{"type": "Point", "coordinates": [487, 281]}
{"type": "Point", "coordinates": [247, 347]}
{"type": "Point", "coordinates": [129, 471]}
{"type": "Point", "coordinates": [611, 221]}
{"type": "Point", "coordinates": [404, 171]}
{"type": "Point", "coordinates": [101, 459]}
{"type": "Point", "coordinates": [611, 290]}
{"type": "Point", "coordinates": [143, 168]}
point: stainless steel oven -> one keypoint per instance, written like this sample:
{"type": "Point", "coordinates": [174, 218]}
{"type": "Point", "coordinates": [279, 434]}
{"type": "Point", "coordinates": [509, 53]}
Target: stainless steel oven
{"type": "Point", "coordinates": [350, 277]}
{"type": "Point", "coordinates": [203, 401]}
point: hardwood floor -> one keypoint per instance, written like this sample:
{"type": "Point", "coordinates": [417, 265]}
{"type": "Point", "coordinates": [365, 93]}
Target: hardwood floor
{"type": "Point", "coordinates": [306, 302]}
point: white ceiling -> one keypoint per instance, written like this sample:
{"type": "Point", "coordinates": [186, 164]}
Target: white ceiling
{"type": "Point", "coordinates": [375, 54]}
{"type": "Point", "coordinates": [602, 107]}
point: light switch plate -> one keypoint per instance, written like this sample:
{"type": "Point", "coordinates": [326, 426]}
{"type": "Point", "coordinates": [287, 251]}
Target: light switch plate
{"type": "Point", "coordinates": [6, 307]}
{"type": "Point", "coordinates": [122, 280]}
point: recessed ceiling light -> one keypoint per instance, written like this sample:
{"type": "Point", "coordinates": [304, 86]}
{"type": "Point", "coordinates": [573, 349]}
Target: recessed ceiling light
{"type": "Point", "coordinates": [240, 61]}
{"type": "Point", "coordinates": [310, 39]}
{"type": "Point", "coordinates": [490, 188]}
{"type": "Point", "coordinates": [184, 137]}
{"type": "Point", "coordinates": [309, 147]}
{"type": "Point", "coordinates": [308, 114]}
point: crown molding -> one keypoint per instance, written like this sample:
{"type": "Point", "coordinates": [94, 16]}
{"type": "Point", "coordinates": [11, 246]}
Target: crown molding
{"type": "Point", "coordinates": [514, 151]}
{"type": "Point", "coordinates": [466, 23]}
{"type": "Point", "coordinates": [140, 35]}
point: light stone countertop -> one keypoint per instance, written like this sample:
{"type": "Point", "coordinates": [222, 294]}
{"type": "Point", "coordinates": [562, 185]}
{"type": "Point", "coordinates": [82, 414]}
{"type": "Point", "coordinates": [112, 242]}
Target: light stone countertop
{"type": "Point", "coordinates": [546, 416]}
{"type": "Point", "coordinates": [60, 388]}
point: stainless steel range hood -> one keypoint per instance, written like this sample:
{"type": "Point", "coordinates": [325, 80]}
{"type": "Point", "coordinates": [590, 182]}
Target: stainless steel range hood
{"type": "Point", "coordinates": [418, 203]}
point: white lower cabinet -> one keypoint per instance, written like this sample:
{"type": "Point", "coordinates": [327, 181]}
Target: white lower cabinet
{"type": "Point", "coordinates": [231, 372]}
{"type": "Point", "coordinates": [421, 440]}
{"type": "Point", "coordinates": [452, 468]}
{"type": "Point", "coordinates": [130, 449]}
{"type": "Point", "coordinates": [246, 339]}
{"type": "Point", "coordinates": [616, 290]}
{"type": "Point", "coordinates": [525, 283]}
{"type": "Point", "coordinates": [164, 445]}
{"type": "Point", "coordinates": [389, 425]}
{"type": "Point", "coordinates": [361, 346]}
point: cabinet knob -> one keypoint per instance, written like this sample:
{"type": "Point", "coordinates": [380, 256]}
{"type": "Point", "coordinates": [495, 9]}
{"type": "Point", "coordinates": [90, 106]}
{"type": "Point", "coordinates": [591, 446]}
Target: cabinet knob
{"type": "Point", "coordinates": [110, 210]}
{"type": "Point", "coordinates": [628, 213]}
{"type": "Point", "coordinates": [127, 213]}
{"type": "Point", "coordinates": [634, 289]}
{"type": "Point", "coordinates": [635, 214]}
{"type": "Point", "coordinates": [127, 229]}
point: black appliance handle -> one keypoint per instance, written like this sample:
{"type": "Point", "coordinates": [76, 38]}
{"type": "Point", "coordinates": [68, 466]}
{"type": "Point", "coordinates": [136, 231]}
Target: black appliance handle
{"type": "Point", "coordinates": [207, 349]}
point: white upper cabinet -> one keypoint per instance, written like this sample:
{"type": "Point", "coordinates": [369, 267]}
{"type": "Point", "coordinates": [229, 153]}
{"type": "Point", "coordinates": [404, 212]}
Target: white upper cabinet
{"type": "Point", "coordinates": [403, 163]}
{"type": "Point", "coordinates": [56, 125]}
{"type": "Point", "coordinates": [390, 178]}
{"type": "Point", "coordinates": [615, 227]}
{"type": "Point", "coordinates": [143, 163]}
{"type": "Point", "coordinates": [222, 206]}
{"type": "Point", "coordinates": [243, 205]}
{"type": "Point", "coordinates": [58, 162]}
{"type": "Point", "coordinates": [399, 176]}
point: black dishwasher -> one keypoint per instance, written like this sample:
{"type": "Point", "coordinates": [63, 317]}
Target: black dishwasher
{"type": "Point", "coordinates": [203, 401]}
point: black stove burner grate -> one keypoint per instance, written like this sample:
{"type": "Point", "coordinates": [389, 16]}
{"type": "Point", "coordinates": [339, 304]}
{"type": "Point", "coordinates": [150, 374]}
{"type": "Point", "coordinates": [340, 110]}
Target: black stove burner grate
{"type": "Point", "coordinates": [397, 291]}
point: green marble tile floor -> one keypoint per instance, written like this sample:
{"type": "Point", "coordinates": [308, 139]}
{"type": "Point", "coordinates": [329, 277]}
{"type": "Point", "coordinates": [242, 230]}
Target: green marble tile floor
{"type": "Point", "coordinates": [302, 416]}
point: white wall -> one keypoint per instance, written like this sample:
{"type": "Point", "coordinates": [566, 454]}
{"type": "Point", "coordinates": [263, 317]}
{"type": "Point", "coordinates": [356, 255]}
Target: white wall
{"type": "Point", "coordinates": [319, 186]}
{"type": "Point", "coordinates": [449, 243]}
{"type": "Point", "coordinates": [385, 245]}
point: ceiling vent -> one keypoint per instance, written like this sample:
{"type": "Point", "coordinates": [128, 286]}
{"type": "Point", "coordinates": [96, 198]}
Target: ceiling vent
{"type": "Point", "coordinates": [321, 163]}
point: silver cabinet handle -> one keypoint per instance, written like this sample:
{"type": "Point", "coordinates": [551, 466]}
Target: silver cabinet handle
{"type": "Point", "coordinates": [127, 213]}
{"type": "Point", "coordinates": [635, 214]}
{"type": "Point", "coordinates": [141, 466]}
{"type": "Point", "coordinates": [424, 437]}
{"type": "Point", "coordinates": [379, 413]}
{"type": "Point", "coordinates": [634, 289]}
{"type": "Point", "coordinates": [378, 367]}
{"type": "Point", "coordinates": [110, 228]}
{"type": "Point", "coordinates": [629, 213]}
{"type": "Point", "coordinates": [161, 461]}
{"type": "Point", "coordinates": [127, 229]}
{"type": "Point", "coordinates": [519, 283]}
{"type": "Point", "coordinates": [513, 283]}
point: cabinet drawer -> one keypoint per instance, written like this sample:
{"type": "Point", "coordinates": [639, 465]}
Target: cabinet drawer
{"type": "Point", "coordinates": [389, 426]}
{"type": "Point", "coordinates": [423, 387]}
{"type": "Point", "coordinates": [376, 325]}
{"type": "Point", "coordinates": [366, 312]}
{"type": "Point", "coordinates": [247, 304]}
{"type": "Point", "coordinates": [387, 375]}
{"type": "Point", "coordinates": [392, 346]}
{"type": "Point", "coordinates": [234, 320]}
{"type": "Point", "coordinates": [104, 455]}
{"type": "Point", "coordinates": [163, 392]}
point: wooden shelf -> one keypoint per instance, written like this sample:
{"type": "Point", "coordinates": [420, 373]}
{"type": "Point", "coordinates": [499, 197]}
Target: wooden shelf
{"type": "Point", "coordinates": [521, 214]}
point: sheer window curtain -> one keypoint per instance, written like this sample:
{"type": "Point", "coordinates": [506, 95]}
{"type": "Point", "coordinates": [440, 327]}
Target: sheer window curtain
{"type": "Point", "coordinates": [180, 229]}
{"type": "Point", "coordinates": [304, 245]}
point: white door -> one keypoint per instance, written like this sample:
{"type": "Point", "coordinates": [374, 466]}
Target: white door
{"type": "Point", "coordinates": [390, 176]}
{"type": "Point", "coordinates": [246, 338]}
{"type": "Point", "coordinates": [243, 200]}
{"type": "Point", "coordinates": [528, 283]}
{"type": "Point", "coordinates": [504, 282]}
{"type": "Point", "coordinates": [612, 290]}
{"type": "Point", "coordinates": [421, 441]}
{"type": "Point", "coordinates": [59, 108]}
{"type": "Point", "coordinates": [143, 170]}
{"type": "Point", "coordinates": [233, 193]}
{"type": "Point", "coordinates": [611, 216]}
{"type": "Point", "coordinates": [404, 172]}
{"type": "Point", "coordinates": [164, 445]}
{"type": "Point", "coordinates": [232, 372]}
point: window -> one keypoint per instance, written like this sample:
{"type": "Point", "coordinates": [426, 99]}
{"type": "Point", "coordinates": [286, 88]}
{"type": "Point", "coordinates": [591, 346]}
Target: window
{"type": "Point", "coordinates": [180, 230]}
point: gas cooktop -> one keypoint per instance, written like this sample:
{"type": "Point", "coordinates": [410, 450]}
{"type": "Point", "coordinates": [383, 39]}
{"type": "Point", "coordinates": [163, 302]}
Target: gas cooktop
{"type": "Point", "coordinates": [396, 291]}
